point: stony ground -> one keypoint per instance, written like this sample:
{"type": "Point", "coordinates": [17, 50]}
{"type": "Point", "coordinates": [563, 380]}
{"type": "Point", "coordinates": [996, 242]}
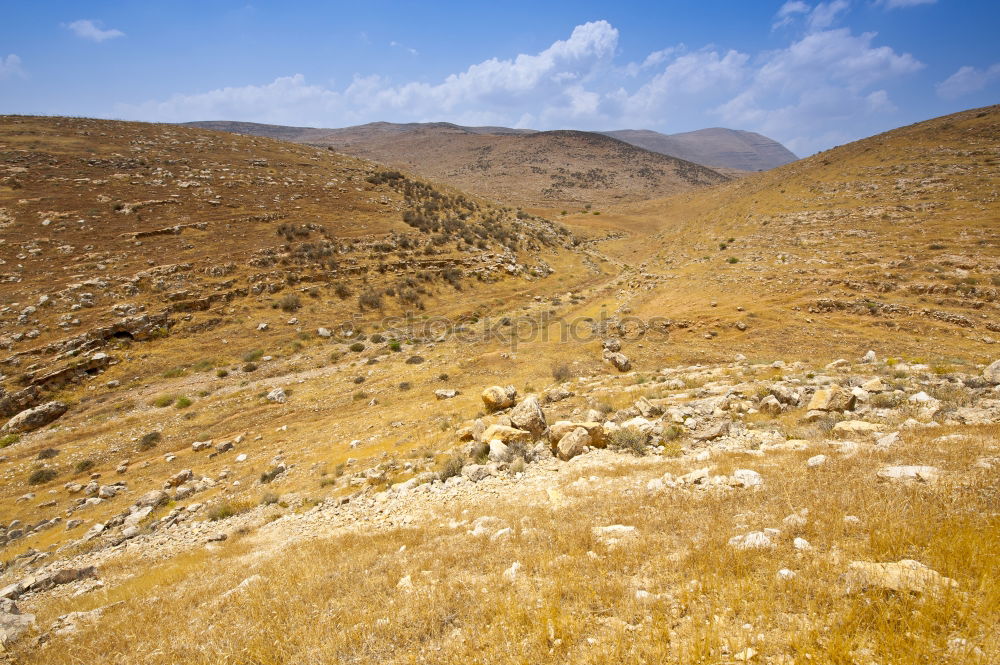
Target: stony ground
{"type": "Point", "coordinates": [719, 462]}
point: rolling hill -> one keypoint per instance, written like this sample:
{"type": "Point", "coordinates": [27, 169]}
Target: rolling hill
{"type": "Point", "coordinates": [714, 147]}
{"type": "Point", "coordinates": [268, 403]}
{"type": "Point", "coordinates": [538, 169]}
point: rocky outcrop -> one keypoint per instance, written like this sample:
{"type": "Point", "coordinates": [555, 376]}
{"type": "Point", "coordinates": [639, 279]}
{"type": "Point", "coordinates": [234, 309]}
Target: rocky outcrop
{"type": "Point", "coordinates": [32, 419]}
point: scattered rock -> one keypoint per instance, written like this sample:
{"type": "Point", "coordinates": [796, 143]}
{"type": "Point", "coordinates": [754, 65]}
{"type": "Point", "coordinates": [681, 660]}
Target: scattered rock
{"type": "Point", "coordinates": [992, 372]}
{"type": "Point", "coordinates": [927, 474]}
{"type": "Point", "coordinates": [833, 398]}
{"type": "Point", "coordinates": [755, 540]}
{"type": "Point", "coordinates": [904, 575]}
{"type": "Point", "coordinates": [497, 398]}
{"type": "Point", "coordinates": [619, 360]}
{"type": "Point", "coordinates": [572, 444]}
{"type": "Point", "coordinates": [816, 460]}
{"type": "Point", "coordinates": [528, 416]}
{"type": "Point", "coordinates": [854, 428]}
{"type": "Point", "coordinates": [277, 395]}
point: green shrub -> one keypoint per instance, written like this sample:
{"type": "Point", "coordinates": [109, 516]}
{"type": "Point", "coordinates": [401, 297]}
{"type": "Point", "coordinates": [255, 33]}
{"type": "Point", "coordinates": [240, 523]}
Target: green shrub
{"type": "Point", "coordinates": [39, 476]}
{"type": "Point", "coordinates": [250, 367]}
{"type": "Point", "coordinates": [163, 401]}
{"type": "Point", "coordinates": [630, 439]}
{"type": "Point", "coordinates": [8, 439]}
{"type": "Point", "coordinates": [149, 440]}
{"type": "Point", "coordinates": [182, 402]}
{"type": "Point", "coordinates": [561, 372]}
{"type": "Point", "coordinates": [451, 467]}
{"type": "Point", "coordinates": [222, 373]}
{"type": "Point", "coordinates": [47, 453]}
{"type": "Point", "coordinates": [357, 347]}
{"type": "Point", "coordinates": [253, 356]}
{"type": "Point", "coordinates": [221, 511]}
{"type": "Point", "coordinates": [290, 302]}
{"type": "Point", "coordinates": [270, 475]}
{"type": "Point", "coordinates": [370, 299]}
{"type": "Point", "coordinates": [732, 259]}
{"type": "Point", "coordinates": [395, 346]}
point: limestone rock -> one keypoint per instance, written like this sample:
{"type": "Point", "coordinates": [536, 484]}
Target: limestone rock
{"type": "Point", "coordinates": [927, 474]}
{"type": "Point", "coordinates": [833, 398]}
{"type": "Point", "coordinates": [528, 415]}
{"type": "Point", "coordinates": [506, 434]}
{"type": "Point", "coordinates": [854, 428]}
{"type": "Point", "coordinates": [277, 395]}
{"type": "Point", "coordinates": [563, 427]}
{"type": "Point", "coordinates": [755, 540]}
{"type": "Point", "coordinates": [445, 393]}
{"type": "Point", "coordinates": [152, 499]}
{"type": "Point", "coordinates": [619, 360]}
{"type": "Point", "coordinates": [904, 575]}
{"type": "Point", "coordinates": [992, 372]}
{"type": "Point", "coordinates": [573, 444]}
{"type": "Point", "coordinates": [476, 472]}
{"type": "Point", "coordinates": [13, 624]}
{"type": "Point", "coordinates": [31, 419]}
{"type": "Point", "coordinates": [499, 397]}
{"type": "Point", "coordinates": [770, 405]}
{"type": "Point", "coordinates": [816, 460]}
{"type": "Point", "coordinates": [499, 451]}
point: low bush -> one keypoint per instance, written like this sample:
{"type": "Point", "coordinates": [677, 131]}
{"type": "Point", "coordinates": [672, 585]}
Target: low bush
{"type": "Point", "coordinates": [39, 476]}
{"type": "Point", "coordinates": [561, 372]}
{"type": "Point", "coordinates": [629, 439]}
{"type": "Point", "coordinates": [149, 440]}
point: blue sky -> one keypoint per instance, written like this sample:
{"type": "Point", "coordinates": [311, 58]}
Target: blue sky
{"type": "Point", "coordinates": [810, 74]}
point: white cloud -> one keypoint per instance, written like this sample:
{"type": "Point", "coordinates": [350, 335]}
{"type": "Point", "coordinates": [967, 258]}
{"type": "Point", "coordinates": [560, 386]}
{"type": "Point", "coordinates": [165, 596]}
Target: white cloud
{"type": "Point", "coordinates": [816, 86]}
{"type": "Point", "coordinates": [10, 67]}
{"type": "Point", "coordinates": [820, 17]}
{"type": "Point", "coordinates": [88, 29]}
{"type": "Point", "coordinates": [897, 4]}
{"type": "Point", "coordinates": [411, 51]}
{"type": "Point", "coordinates": [827, 86]}
{"type": "Point", "coordinates": [968, 80]}
{"type": "Point", "coordinates": [826, 14]}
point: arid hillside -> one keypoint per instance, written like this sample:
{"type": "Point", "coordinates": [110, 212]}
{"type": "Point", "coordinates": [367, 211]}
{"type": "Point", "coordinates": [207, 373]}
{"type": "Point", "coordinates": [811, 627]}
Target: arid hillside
{"type": "Point", "coordinates": [892, 239]}
{"type": "Point", "coordinates": [549, 170]}
{"type": "Point", "coordinates": [268, 403]}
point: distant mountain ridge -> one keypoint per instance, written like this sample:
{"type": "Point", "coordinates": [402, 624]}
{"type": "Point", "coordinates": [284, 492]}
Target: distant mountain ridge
{"type": "Point", "coordinates": [715, 147]}
{"type": "Point", "coordinates": [562, 168]}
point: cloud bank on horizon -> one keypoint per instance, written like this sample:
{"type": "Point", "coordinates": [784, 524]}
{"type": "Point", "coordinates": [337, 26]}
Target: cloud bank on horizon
{"type": "Point", "coordinates": [826, 84]}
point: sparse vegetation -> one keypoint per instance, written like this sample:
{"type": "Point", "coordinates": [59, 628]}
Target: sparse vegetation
{"type": "Point", "coordinates": [149, 440]}
{"type": "Point", "coordinates": [561, 372]}
{"type": "Point", "coordinates": [629, 439]}
{"type": "Point", "coordinates": [41, 476]}
{"type": "Point", "coordinates": [290, 302]}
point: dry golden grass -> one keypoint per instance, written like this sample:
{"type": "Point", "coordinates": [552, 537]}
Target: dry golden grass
{"type": "Point", "coordinates": [340, 599]}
